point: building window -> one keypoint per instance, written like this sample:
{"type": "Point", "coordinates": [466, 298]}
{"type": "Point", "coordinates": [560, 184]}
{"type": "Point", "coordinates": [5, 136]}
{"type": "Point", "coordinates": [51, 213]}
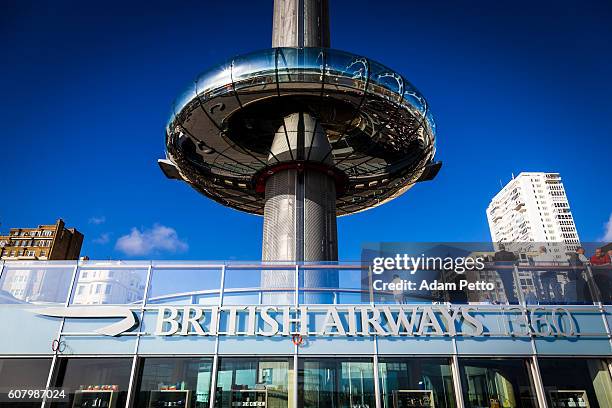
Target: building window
{"type": "Point", "coordinates": [253, 379]}
{"type": "Point", "coordinates": [98, 286]}
{"type": "Point", "coordinates": [576, 383]}
{"type": "Point", "coordinates": [425, 381]}
{"type": "Point", "coordinates": [81, 376]}
{"type": "Point", "coordinates": [23, 373]}
{"type": "Point", "coordinates": [336, 382]}
{"type": "Point", "coordinates": [497, 383]}
{"type": "Point", "coordinates": [190, 376]}
{"type": "Point", "coordinates": [80, 289]}
{"type": "Point", "coordinates": [107, 289]}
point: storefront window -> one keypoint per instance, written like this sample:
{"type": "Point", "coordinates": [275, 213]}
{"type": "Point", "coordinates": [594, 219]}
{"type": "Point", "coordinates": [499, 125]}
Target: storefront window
{"type": "Point", "coordinates": [416, 382]}
{"type": "Point", "coordinates": [336, 383]}
{"type": "Point", "coordinates": [175, 382]}
{"type": "Point", "coordinates": [22, 373]}
{"type": "Point", "coordinates": [497, 383]}
{"type": "Point", "coordinates": [254, 382]}
{"type": "Point", "coordinates": [579, 383]}
{"type": "Point", "coordinates": [93, 382]}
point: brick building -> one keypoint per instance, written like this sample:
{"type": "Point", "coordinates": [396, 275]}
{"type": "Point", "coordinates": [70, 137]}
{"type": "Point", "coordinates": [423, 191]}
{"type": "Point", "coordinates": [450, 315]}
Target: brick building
{"type": "Point", "coordinates": [45, 242]}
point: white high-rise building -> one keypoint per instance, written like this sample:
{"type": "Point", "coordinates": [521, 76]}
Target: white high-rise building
{"type": "Point", "coordinates": [530, 210]}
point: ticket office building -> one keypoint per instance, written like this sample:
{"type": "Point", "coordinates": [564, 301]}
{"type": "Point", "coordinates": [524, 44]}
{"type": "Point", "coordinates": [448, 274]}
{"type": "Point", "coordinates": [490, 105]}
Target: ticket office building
{"type": "Point", "coordinates": [234, 362]}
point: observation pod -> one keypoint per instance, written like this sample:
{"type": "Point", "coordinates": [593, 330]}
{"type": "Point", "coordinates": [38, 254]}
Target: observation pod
{"type": "Point", "coordinates": [359, 123]}
{"type": "Point", "coordinates": [300, 133]}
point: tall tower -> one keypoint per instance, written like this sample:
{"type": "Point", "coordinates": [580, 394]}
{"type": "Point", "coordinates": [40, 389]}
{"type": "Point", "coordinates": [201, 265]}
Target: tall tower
{"type": "Point", "coordinates": [300, 134]}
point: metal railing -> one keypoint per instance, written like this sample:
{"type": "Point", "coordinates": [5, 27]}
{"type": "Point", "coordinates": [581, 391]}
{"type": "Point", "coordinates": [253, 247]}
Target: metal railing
{"type": "Point", "coordinates": [124, 282]}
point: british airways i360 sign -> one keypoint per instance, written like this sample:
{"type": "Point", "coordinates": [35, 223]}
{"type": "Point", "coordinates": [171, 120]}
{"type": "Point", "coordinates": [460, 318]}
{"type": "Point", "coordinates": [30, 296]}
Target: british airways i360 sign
{"type": "Point", "coordinates": [335, 320]}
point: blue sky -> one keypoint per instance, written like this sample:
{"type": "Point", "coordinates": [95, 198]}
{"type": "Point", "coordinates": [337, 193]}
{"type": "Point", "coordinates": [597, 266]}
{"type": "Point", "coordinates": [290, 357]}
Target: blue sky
{"type": "Point", "coordinates": [87, 88]}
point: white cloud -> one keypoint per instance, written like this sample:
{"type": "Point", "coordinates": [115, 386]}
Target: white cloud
{"type": "Point", "coordinates": [608, 230]}
{"type": "Point", "coordinates": [97, 220]}
{"type": "Point", "coordinates": [157, 239]}
{"type": "Point", "coordinates": [102, 239]}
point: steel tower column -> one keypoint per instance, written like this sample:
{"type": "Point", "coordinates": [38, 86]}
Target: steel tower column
{"type": "Point", "coordinates": [300, 23]}
{"type": "Point", "coordinates": [300, 204]}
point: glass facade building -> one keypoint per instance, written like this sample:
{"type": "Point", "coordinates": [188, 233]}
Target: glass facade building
{"type": "Point", "coordinates": [204, 334]}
